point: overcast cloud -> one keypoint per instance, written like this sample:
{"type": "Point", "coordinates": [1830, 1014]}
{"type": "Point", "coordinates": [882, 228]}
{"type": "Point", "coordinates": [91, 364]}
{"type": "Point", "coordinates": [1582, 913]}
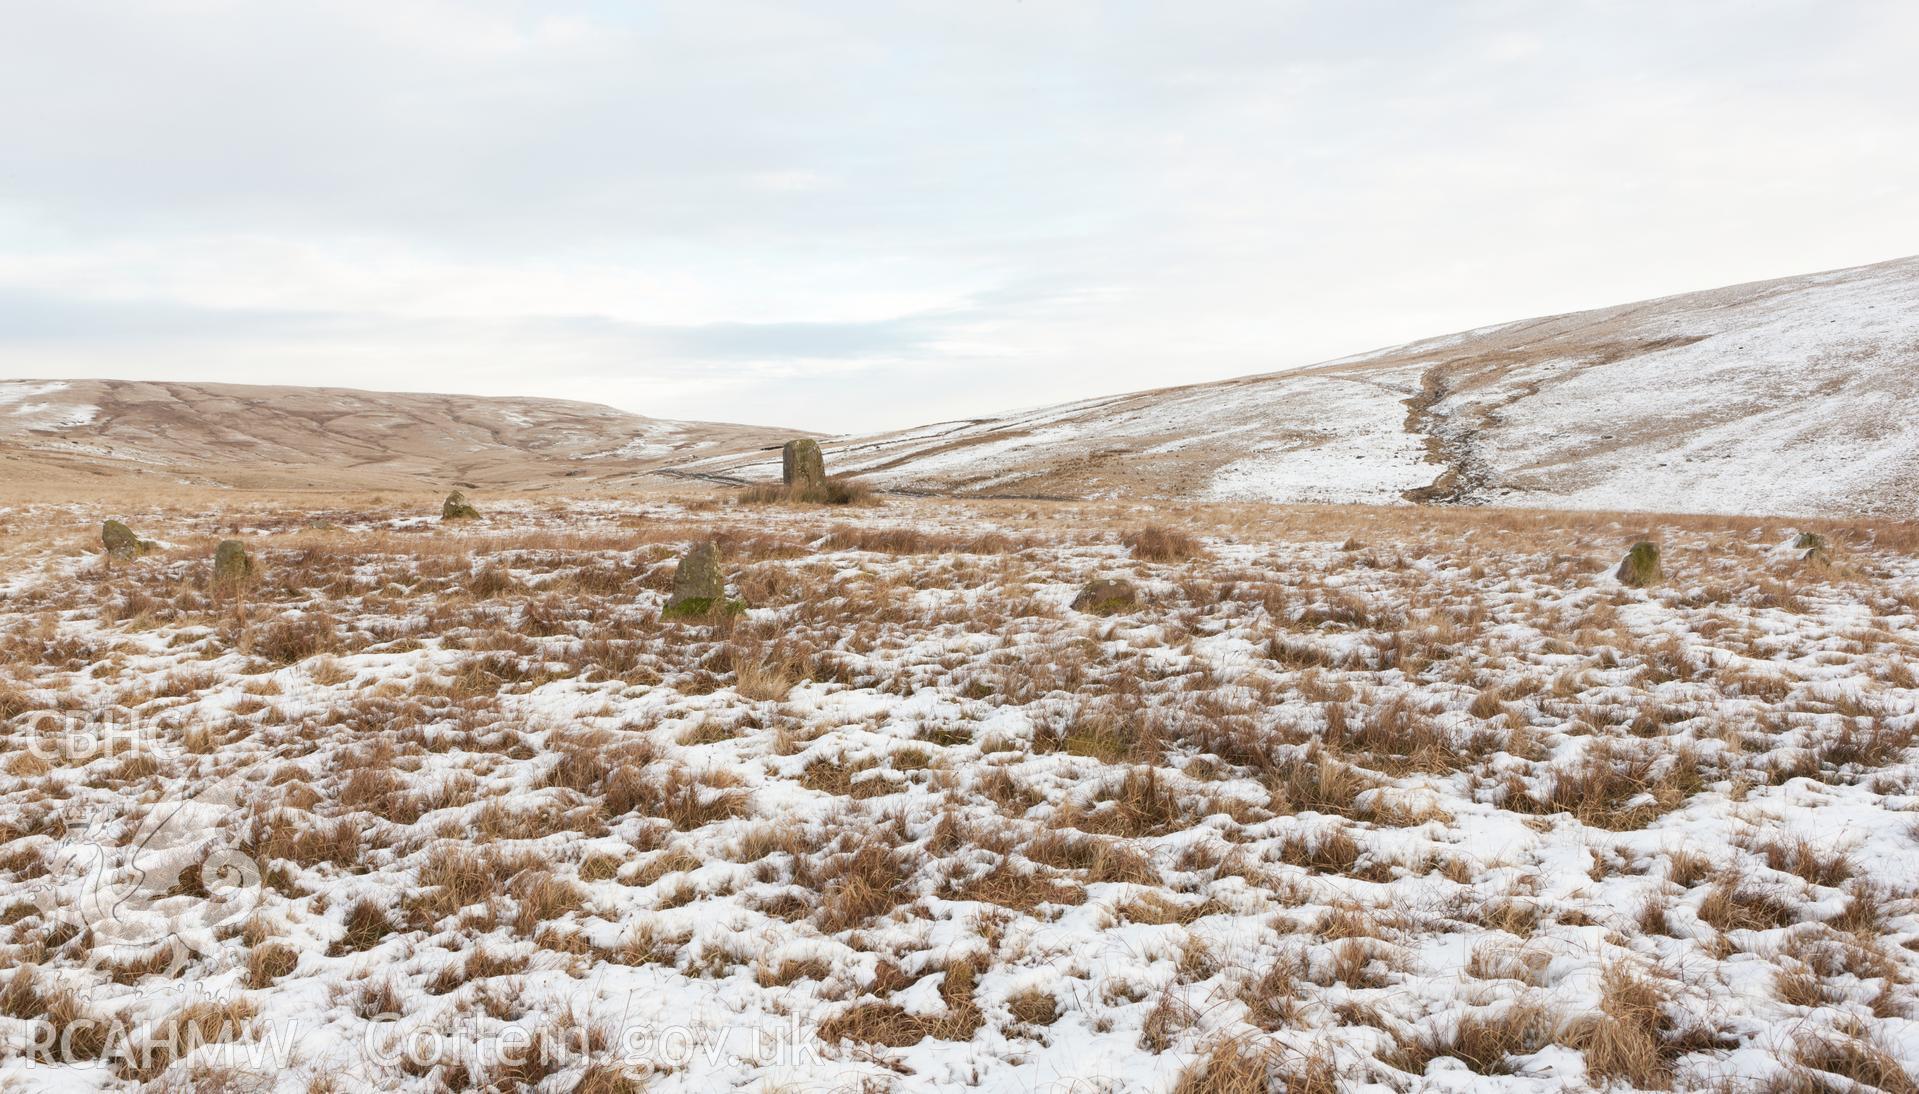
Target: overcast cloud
{"type": "Point", "coordinates": [850, 216]}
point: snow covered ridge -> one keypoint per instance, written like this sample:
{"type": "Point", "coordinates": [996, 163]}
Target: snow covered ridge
{"type": "Point", "coordinates": [15, 392]}
{"type": "Point", "coordinates": [31, 406]}
{"type": "Point", "coordinates": [1795, 396]}
{"type": "Point", "coordinates": [1398, 799]}
{"type": "Point", "coordinates": [267, 437]}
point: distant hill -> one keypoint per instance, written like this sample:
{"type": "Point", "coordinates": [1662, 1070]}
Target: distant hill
{"type": "Point", "coordinates": [115, 433]}
{"type": "Point", "coordinates": [1795, 396]}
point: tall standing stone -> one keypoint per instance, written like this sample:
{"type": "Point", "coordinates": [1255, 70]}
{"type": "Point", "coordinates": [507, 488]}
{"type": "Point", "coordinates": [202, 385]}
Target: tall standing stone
{"type": "Point", "coordinates": [801, 463]}
{"type": "Point", "coordinates": [698, 585]}
{"type": "Point", "coordinates": [231, 566]}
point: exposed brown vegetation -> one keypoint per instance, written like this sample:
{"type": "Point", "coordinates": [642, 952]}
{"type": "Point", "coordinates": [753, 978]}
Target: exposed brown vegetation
{"type": "Point", "coordinates": [833, 490]}
{"type": "Point", "coordinates": [1158, 544]}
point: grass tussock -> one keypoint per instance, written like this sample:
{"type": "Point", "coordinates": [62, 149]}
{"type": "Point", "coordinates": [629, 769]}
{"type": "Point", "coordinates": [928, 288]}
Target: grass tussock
{"type": "Point", "coordinates": [893, 1026]}
{"type": "Point", "coordinates": [1155, 543]}
{"type": "Point", "coordinates": [1484, 1042]}
{"type": "Point", "coordinates": [1237, 1066]}
{"type": "Point", "coordinates": [833, 490]}
{"type": "Point", "coordinates": [1630, 1039]}
{"type": "Point", "coordinates": [1828, 1062]}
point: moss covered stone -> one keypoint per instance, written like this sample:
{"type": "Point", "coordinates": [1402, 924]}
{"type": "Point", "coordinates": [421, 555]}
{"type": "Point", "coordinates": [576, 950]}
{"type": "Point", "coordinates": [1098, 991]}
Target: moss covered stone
{"type": "Point", "coordinates": [1640, 567]}
{"type": "Point", "coordinates": [699, 588]}
{"type": "Point", "coordinates": [802, 463]}
{"type": "Point", "coordinates": [1106, 596]}
{"type": "Point", "coordinates": [456, 507]}
{"type": "Point", "coordinates": [231, 566]}
{"type": "Point", "coordinates": [699, 607]}
{"type": "Point", "coordinates": [120, 542]}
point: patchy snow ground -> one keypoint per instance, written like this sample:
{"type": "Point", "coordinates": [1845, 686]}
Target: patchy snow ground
{"type": "Point", "coordinates": [1374, 799]}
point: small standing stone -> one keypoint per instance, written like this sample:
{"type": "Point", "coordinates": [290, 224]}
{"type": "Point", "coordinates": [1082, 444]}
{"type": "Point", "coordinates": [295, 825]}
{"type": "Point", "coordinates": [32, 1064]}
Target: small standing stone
{"type": "Point", "coordinates": [1106, 596]}
{"type": "Point", "coordinates": [120, 541]}
{"type": "Point", "coordinates": [458, 508]}
{"type": "Point", "coordinates": [1640, 567]}
{"type": "Point", "coordinates": [802, 464]}
{"type": "Point", "coordinates": [1812, 548]}
{"type": "Point", "coordinates": [698, 585]}
{"type": "Point", "coordinates": [231, 566]}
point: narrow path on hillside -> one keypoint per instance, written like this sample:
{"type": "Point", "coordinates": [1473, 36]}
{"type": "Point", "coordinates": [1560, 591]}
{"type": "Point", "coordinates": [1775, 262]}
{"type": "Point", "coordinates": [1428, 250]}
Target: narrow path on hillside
{"type": "Point", "coordinates": [1451, 441]}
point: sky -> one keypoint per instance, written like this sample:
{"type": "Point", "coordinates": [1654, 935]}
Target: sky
{"type": "Point", "coordinates": [860, 216]}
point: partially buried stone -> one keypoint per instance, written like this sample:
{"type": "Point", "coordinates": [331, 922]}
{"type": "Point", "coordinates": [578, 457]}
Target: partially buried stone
{"type": "Point", "coordinates": [1812, 549]}
{"type": "Point", "coordinates": [120, 541]}
{"type": "Point", "coordinates": [1106, 596]}
{"type": "Point", "coordinates": [456, 507]}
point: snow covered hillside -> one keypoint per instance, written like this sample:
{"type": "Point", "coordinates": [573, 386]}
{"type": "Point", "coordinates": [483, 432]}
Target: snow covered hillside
{"type": "Point", "coordinates": [1791, 396]}
{"type": "Point", "coordinates": [1795, 396]}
